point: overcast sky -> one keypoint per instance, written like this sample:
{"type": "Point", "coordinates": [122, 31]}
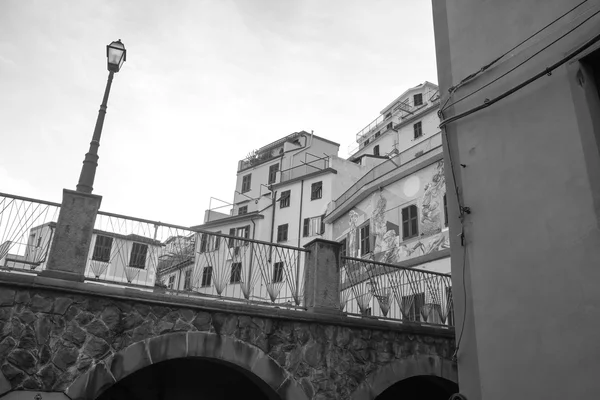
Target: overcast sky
{"type": "Point", "coordinates": [205, 82]}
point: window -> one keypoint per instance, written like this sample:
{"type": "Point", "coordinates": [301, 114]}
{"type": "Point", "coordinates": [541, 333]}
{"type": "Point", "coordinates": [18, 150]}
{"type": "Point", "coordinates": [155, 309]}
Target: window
{"type": "Point", "coordinates": [445, 211]}
{"type": "Point", "coordinates": [410, 226]}
{"type": "Point", "coordinates": [187, 280]}
{"type": "Point", "coordinates": [273, 173]}
{"type": "Point", "coordinates": [171, 282]}
{"type": "Point", "coordinates": [377, 134]}
{"type": "Point", "coordinates": [316, 190]}
{"type": "Point", "coordinates": [246, 182]}
{"type": "Point", "coordinates": [39, 241]}
{"type": "Point", "coordinates": [389, 126]}
{"type": "Point", "coordinates": [366, 142]}
{"type": "Point", "coordinates": [102, 248]}
{"type": "Point", "coordinates": [388, 115]}
{"type": "Point", "coordinates": [204, 242]}
{"type": "Point", "coordinates": [418, 99]}
{"type": "Point", "coordinates": [206, 276]}
{"type": "Point", "coordinates": [282, 233]}
{"type": "Point", "coordinates": [313, 226]}
{"type": "Point", "coordinates": [376, 150]}
{"type": "Point", "coordinates": [278, 272]}
{"type": "Point", "coordinates": [243, 210]}
{"type": "Point", "coordinates": [236, 272]}
{"type": "Point", "coordinates": [138, 255]}
{"type": "Point", "coordinates": [284, 201]}
{"type": "Point", "coordinates": [364, 239]}
{"type": "Point", "coordinates": [418, 130]}
{"type": "Point", "coordinates": [411, 306]}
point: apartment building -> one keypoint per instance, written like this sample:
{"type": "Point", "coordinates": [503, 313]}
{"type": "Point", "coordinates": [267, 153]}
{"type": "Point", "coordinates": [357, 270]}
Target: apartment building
{"type": "Point", "coordinates": [396, 212]}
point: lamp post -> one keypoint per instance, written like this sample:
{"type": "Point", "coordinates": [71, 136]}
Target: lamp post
{"type": "Point", "coordinates": [116, 55]}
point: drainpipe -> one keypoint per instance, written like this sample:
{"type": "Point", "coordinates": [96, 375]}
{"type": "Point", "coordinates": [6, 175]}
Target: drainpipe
{"type": "Point", "coordinates": [300, 212]}
{"type": "Point", "coordinates": [251, 250]}
{"type": "Point", "coordinates": [299, 234]}
{"type": "Point", "coordinates": [274, 200]}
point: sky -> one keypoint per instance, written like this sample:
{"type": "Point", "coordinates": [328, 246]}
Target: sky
{"type": "Point", "coordinates": [205, 83]}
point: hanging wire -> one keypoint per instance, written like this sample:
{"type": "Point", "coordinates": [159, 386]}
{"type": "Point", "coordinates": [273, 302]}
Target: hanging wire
{"type": "Point", "coordinates": [521, 63]}
{"type": "Point", "coordinates": [453, 89]}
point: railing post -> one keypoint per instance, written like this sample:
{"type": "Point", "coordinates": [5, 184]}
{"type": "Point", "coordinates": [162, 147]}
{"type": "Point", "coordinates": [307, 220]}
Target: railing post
{"type": "Point", "coordinates": [69, 252]}
{"type": "Point", "coordinates": [322, 276]}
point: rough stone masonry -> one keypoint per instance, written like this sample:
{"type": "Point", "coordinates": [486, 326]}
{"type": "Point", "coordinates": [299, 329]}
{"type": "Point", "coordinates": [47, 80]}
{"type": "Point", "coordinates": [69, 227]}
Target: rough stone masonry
{"type": "Point", "coordinates": [48, 338]}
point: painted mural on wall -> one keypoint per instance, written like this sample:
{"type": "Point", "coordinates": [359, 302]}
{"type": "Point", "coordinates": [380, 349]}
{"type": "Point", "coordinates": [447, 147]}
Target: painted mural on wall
{"type": "Point", "coordinates": [425, 190]}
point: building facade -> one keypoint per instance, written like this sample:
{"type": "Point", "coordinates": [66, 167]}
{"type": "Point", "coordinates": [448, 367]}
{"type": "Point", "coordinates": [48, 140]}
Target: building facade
{"type": "Point", "coordinates": [523, 134]}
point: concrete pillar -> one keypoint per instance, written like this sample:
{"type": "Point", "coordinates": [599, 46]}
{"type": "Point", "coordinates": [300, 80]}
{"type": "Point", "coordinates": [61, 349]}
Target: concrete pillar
{"type": "Point", "coordinates": [322, 276]}
{"type": "Point", "coordinates": [70, 247]}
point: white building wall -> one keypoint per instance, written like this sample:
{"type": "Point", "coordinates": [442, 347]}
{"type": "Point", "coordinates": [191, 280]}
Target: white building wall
{"type": "Point", "coordinates": [118, 269]}
{"type": "Point", "coordinates": [430, 123]}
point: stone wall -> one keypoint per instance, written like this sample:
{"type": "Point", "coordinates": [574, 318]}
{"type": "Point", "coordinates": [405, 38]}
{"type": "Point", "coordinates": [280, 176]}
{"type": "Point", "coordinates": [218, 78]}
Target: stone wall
{"type": "Point", "coordinates": [48, 338]}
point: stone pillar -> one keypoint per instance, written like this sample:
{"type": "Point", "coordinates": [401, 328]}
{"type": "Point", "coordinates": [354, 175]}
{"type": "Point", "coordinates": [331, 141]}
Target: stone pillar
{"type": "Point", "coordinates": [70, 247]}
{"type": "Point", "coordinates": [322, 277]}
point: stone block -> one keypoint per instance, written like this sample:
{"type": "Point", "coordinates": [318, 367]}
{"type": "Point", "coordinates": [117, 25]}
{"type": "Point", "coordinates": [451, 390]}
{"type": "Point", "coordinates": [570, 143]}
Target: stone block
{"type": "Point", "coordinates": [322, 277]}
{"type": "Point", "coordinates": [70, 248]}
{"type": "Point", "coordinates": [290, 390]}
{"type": "Point", "coordinates": [240, 353]}
{"type": "Point", "coordinates": [133, 358]}
{"type": "Point", "coordinates": [41, 304]}
{"type": "Point", "coordinates": [203, 344]}
{"type": "Point", "coordinates": [23, 359]}
{"type": "Point", "coordinates": [7, 297]}
{"type": "Point", "coordinates": [167, 347]}
{"type": "Point", "coordinates": [269, 371]}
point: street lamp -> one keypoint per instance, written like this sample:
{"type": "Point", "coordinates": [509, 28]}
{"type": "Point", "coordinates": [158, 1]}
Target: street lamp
{"type": "Point", "coordinates": [116, 55]}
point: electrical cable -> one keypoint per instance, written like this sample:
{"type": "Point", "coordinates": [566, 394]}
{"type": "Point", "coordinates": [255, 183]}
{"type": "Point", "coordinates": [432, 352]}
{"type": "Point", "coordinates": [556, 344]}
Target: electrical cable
{"type": "Point", "coordinates": [547, 71]}
{"type": "Point", "coordinates": [521, 63]}
{"type": "Point", "coordinates": [453, 89]}
{"type": "Point", "coordinates": [461, 214]}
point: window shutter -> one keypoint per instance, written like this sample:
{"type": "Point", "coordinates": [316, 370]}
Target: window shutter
{"type": "Point", "coordinates": [405, 228]}
{"type": "Point", "coordinates": [306, 228]}
{"type": "Point", "coordinates": [231, 240]}
{"type": "Point", "coordinates": [322, 224]}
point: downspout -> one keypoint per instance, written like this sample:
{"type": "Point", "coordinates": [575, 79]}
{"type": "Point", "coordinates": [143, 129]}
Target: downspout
{"type": "Point", "coordinates": [274, 200]}
{"type": "Point", "coordinates": [251, 251]}
{"type": "Point", "coordinates": [299, 236]}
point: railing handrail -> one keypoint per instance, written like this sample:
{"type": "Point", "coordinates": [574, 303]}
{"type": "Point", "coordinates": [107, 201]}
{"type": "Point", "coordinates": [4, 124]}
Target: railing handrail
{"type": "Point", "coordinates": [360, 182]}
{"type": "Point", "coordinates": [252, 240]}
{"type": "Point", "coordinates": [364, 260]}
{"type": "Point", "coordinates": [13, 196]}
{"type": "Point", "coordinates": [148, 221]}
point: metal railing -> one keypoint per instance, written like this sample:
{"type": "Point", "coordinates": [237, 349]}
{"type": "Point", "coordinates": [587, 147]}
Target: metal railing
{"type": "Point", "coordinates": [181, 262]}
{"type": "Point", "coordinates": [406, 108]}
{"type": "Point", "coordinates": [387, 291]}
{"type": "Point", "coordinates": [129, 250]}
{"type": "Point", "coordinates": [26, 232]}
{"type": "Point", "coordinates": [308, 167]}
{"type": "Point", "coordinates": [386, 167]}
{"type": "Point", "coordinates": [245, 269]}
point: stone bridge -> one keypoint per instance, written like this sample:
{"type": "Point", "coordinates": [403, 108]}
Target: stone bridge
{"type": "Point", "coordinates": [61, 339]}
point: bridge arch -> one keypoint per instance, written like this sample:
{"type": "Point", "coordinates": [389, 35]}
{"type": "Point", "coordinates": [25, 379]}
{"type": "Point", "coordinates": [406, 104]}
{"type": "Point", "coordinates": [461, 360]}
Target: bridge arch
{"type": "Point", "coordinates": [409, 367]}
{"type": "Point", "coordinates": [171, 346]}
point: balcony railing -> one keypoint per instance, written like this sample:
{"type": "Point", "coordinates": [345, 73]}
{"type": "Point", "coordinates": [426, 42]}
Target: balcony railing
{"type": "Point", "coordinates": [386, 167]}
{"type": "Point", "coordinates": [26, 232]}
{"type": "Point", "coordinates": [308, 167]}
{"type": "Point", "coordinates": [248, 270]}
{"type": "Point", "coordinates": [129, 250]}
{"type": "Point", "coordinates": [386, 291]}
